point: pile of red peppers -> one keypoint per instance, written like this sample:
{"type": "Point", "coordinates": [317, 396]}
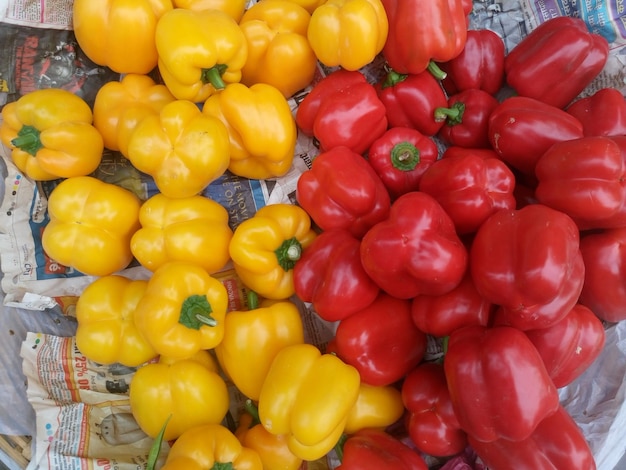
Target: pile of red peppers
{"type": "Point", "coordinates": [472, 195]}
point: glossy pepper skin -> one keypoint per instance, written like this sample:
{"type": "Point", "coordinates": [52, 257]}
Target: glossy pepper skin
{"type": "Point", "coordinates": [183, 310]}
{"type": "Point", "coordinates": [557, 442]}
{"type": "Point", "coordinates": [583, 178]}
{"type": "Point", "coordinates": [438, 32]}
{"type": "Point", "coordinates": [265, 248]}
{"type": "Point", "coordinates": [431, 422]}
{"type": "Point", "coordinates": [199, 52]}
{"type": "Point", "coordinates": [183, 149]}
{"type": "Point", "coordinates": [470, 185]}
{"type": "Point", "coordinates": [119, 34]}
{"type": "Point", "coordinates": [376, 407]}
{"type": "Point", "coordinates": [386, 353]}
{"type": "Point", "coordinates": [193, 229]}
{"type": "Point", "coordinates": [308, 396]}
{"type": "Point", "coordinates": [528, 261]}
{"type": "Point", "coordinates": [410, 100]}
{"type": "Point", "coordinates": [91, 224]}
{"type": "Point", "coordinates": [601, 114]}
{"type": "Point", "coordinates": [416, 250]}
{"type": "Point", "coordinates": [498, 384]}
{"type": "Point", "coordinates": [233, 8]}
{"type": "Point", "coordinates": [342, 109]}
{"type": "Point", "coordinates": [252, 338]}
{"type": "Point", "coordinates": [106, 332]}
{"type": "Point", "coordinates": [348, 33]}
{"type": "Point", "coordinates": [51, 135]}
{"type": "Point", "coordinates": [261, 128]}
{"type": "Point", "coordinates": [211, 446]}
{"type": "Point", "coordinates": [556, 61]}
{"type": "Point", "coordinates": [329, 274]}
{"type": "Point", "coordinates": [279, 53]}
{"type": "Point", "coordinates": [480, 65]}
{"type": "Point", "coordinates": [521, 129]}
{"type": "Point", "coordinates": [400, 157]}
{"type": "Point", "coordinates": [342, 191]}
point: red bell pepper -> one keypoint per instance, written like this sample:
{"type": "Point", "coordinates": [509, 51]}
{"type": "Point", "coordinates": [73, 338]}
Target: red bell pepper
{"type": "Point", "coordinates": [410, 100]}
{"type": "Point", "coordinates": [400, 157]}
{"type": "Point", "coordinates": [329, 275]}
{"type": "Point", "coordinates": [603, 113]}
{"type": "Point", "coordinates": [556, 61]}
{"type": "Point", "coordinates": [431, 422]}
{"type": "Point", "coordinates": [470, 186]}
{"type": "Point", "coordinates": [374, 449]}
{"type": "Point", "coordinates": [556, 443]}
{"type": "Point", "coordinates": [604, 290]}
{"type": "Point", "coordinates": [421, 32]}
{"type": "Point", "coordinates": [342, 109]}
{"type": "Point", "coordinates": [342, 190]}
{"type": "Point", "coordinates": [521, 129]}
{"type": "Point", "coordinates": [585, 178]}
{"type": "Point", "coordinates": [440, 315]}
{"type": "Point", "coordinates": [528, 262]}
{"type": "Point", "coordinates": [416, 250]}
{"type": "Point", "coordinates": [499, 386]}
{"type": "Point", "coordinates": [381, 341]}
{"type": "Point", "coordinates": [570, 345]}
{"type": "Point", "coordinates": [480, 65]}
{"type": "Point", "coordinates": [467, 118]}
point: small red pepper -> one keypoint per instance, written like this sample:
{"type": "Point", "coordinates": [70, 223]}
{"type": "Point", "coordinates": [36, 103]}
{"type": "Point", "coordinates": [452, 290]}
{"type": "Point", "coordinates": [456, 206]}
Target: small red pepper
{"type": "Point", "coordinates": [466, 118]}
{"type": "Point", "coordinates": [556, 61]}
{"type": "Point", "coordinates": [400, 157]}
{"type": "Point", "coordinates": [479, 66]}
{"type": "Point", "coordinates": [343, 108]}
{"type": "Point", "coordinates": [415, 250]}
{"type": "Point", "coordinates": [603, 113]}
{"type": "Point", "coordinates": [342, 190]}
{"type": "Point", "coordinates": [329, 274]}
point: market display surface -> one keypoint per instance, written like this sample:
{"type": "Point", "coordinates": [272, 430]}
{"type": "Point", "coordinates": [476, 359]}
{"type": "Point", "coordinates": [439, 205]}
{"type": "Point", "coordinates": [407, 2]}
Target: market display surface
{"type": "Point", "coordinates": [290, 235]}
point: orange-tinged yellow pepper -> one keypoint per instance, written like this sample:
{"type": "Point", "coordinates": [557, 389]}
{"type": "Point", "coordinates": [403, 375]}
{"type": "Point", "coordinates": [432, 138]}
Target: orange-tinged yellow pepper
{"type": "Point", "coordinates": [348, 33]}
{"type": "Point", "coordinates": [119, 33]}
{"type": "Point", "coordinates": [199, 52]}
{"type": "Point", "coordinates": [193, 229]}
{"type": "Point", "coordinates": [182, 310]}
{"type": "Point", "coordinates": [261, 127]}
{"type": "Point", "coordinates": [120, 105]}
{"type": "Point", "coordinates": [309, 5]}
{"type": "Point", "coordinates": [376, 407]}
{"type": "Point", "coordinates": [51, 135]}
{"type": "Point", "coordinates": [185, 391]}
{"type": "Point", "coordinates": [91, 224]}
{"type": "Point", "coordinates": [265, 248]}
{"type": "Point", "coordinates": [279, 52]}
{"type": "Point", "coordinates": [234, 8]}
{"type": "Point", "coordinates": [183, 149]}
{"type": "Point", "coordinates": [106, 331]}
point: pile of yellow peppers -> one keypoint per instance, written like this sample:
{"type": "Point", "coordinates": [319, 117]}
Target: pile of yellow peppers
{"type": "Point", "coordinates": [221, 104]}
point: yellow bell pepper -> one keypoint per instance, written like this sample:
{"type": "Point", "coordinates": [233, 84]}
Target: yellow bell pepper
{"type": "Point", "coordinates": [91, 224]}
{"type": "Point", "coordinates": [193, 229]}
{"type": "Point", "coordinates": [252, 339]}
{"type": "Point", "coordinates": [308, 395]}
{"type": "Point", "coordinates": [261, 127]}
{"type": "Point", "coordinates": [279, 52]}
{"type": "Point", "coordinates": [185, 391]}
{"type": "Point", "coordinates": [51, 135]}
{"type": "Point", "coordinates": [265, 248]}
{"type": "Point", "coordinates": [348, 33]}
{"type": "Point", "coordinates": [106, 331]}
{"type": "Point", "coordinates": [199, 52]}
{"type": "Point", "coordinates": [309, 5]}
{"type": "Point", "coordinates": [376, 407]}
{"type": "Point", "coordinates": [182, 310]}
{"type": "Point", "coordinates": [120, 105]}
{"type": "Point", "coordinates": [234, 8]}
{"type": "Point", "coordinates": [119, 33]}
{"type": "Point", "coordinates": [211, 447]}
{"type": "Point", "coordinates": [181, 148]}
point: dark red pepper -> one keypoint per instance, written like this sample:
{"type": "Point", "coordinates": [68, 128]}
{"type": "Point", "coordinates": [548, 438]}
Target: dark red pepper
{"type": "Point", "coordinates": [603, 113]}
